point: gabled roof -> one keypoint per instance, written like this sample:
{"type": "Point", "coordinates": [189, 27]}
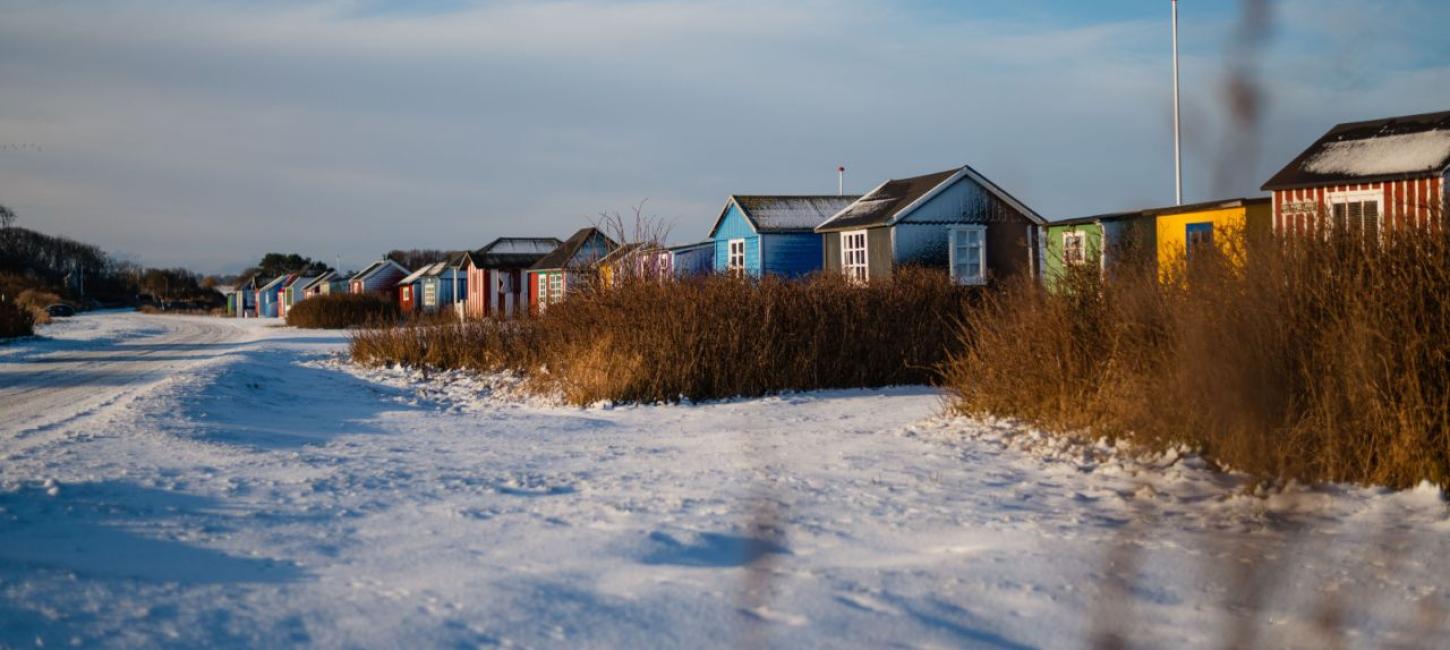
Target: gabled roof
{"type": "Point", "coordinates": [783, 214]}
{"type": "Point", "coordinates": [895, 199]}
{"type": "Point", "coordinates": [422, 271]}
{"type": "Point", "coordinates": [563, 255]}
{"type": "Point", "coordinates": [376, 266]}
{"type": "Point", "coordinates": [510, 252]}
{"type": "Point", "coordinates": [273, 283]}
{"type": "Point", "coordinates": [1375, 151]}
{"type": "Point", "coordinates": [325, 277]}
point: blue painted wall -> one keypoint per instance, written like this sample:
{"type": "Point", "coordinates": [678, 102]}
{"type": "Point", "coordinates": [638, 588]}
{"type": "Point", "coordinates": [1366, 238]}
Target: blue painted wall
{"type": "Point", "coordinates": [736, 226]}
{"type": "Point", "coordinates": [792, 255]}
{"type": "Point", "coordinates": [444, 288]}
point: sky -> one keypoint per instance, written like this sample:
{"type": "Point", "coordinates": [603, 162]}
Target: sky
{"type": "Point", "coordinates": [204, 133]}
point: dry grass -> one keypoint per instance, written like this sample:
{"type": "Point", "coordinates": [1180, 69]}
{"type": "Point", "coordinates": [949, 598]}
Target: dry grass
{"type": "Point", "coordinates": [1318, 360]}
{"type": "Point", "coordinates": [703, 338]}
{"type": "Point", "coordinates": [341, 311]}
{"type": "Point", "coordinates": [35, 301]}
{"type": "Point", "coordinates": [15, 320]}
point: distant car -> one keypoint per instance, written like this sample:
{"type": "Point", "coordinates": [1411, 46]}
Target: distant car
{"type": "Point", "coordinates": [60, 311]}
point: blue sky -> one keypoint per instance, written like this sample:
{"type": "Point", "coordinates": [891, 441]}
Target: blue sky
{"type": "Point", "coordinates": [206, 132]}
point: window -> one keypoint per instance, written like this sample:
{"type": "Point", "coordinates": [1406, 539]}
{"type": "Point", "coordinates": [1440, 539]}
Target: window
{"type": "Point", "coordinates": [853, 256]}
{"type": "Point", "coordinates": [543, 290]}
{"type": "Point", "coordinates": [968, 254]}
{"type": "Point", "coordinates": [1199, 237]}
{"type": "Point", "coordinates": [735, 262]}
{"type": "Point", "coordinates": [1355, 213]}
{"type": "Point", "coordinates": [430, 294]}
{"type": "Point", "coordinates": [1074, 248]}
{"type": "Point", "coordinates": [556, 287]}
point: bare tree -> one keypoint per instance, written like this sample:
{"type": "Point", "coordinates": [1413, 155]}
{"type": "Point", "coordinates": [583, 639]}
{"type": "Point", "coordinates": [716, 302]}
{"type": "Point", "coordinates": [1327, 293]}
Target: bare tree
{"type": "Point", "coordinates": [7, 217]}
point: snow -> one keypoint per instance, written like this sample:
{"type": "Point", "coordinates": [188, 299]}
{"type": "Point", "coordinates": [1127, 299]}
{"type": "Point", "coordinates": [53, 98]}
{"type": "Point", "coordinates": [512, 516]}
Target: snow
{"type": "Point", "coordinates": [772, 213]}
{"type": "Point", "coordinates": [1391, 154]}
{"type": "Point", "coordinates": [183, 482]}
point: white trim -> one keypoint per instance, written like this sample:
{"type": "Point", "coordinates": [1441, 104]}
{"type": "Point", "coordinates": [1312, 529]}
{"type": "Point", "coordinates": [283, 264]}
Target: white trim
{"type": "Point", "coordinates": [825, 225]}
{"type": "Point", "coordinates": [730, 255]}
{"type": "Point", "coordinates": [952, 233]}
{"type": "Point", "coordinates": [1377, 197]}
{"type": "Point", "coordinates": [965, 171]}
{"type": "Point", "coordinates": [1081, 238]}
{"type": "Point", "coordinates": [850, 268]}
{"type": "Point", "coordinates": [726, 210]}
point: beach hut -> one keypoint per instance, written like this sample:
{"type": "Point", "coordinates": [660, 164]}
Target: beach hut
{"type": "Point", "coordinates": [1181, 232]}
{"type": "Point", "coordinates": [760, 235]}
{"type": "Point", "coordinates": [329, 282]}
{"type": "Point", "coordinates": [637, 261]}
{"type": "Point", "coordinates": [267, 296]}
{"type": "Point", "coordinates": [380, 277]}
{"type": "Point", "coordinates": [568, 268]}
{"type": "Point", "coordinates": [407, 288]}
{"type": "Point", "coordinates": [292, 292]}
{"type": "Point", "coordinates": [1105, 241]}
{"type": "Point", "coordinates": [692, 260]}
{"type": "Point", "coordinates": [435, 287]}
{"type": "Point", "coordinates": [955, 219]}
{"type": "Point", "coordinates": [245, 297]}
{"type": "Point", "coordinates": [496, 275]}
{"type": "Point", "coordinates": [1367, 177]}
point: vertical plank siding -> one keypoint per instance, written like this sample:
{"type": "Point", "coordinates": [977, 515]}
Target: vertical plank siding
{"type": "Point", "coordinates": [1411, 203]}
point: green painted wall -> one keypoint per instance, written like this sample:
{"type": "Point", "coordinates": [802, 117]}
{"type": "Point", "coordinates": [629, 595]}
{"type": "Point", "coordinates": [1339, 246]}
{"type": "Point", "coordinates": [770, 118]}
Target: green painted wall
{"type": "Point", "coordinates": [1053, 266]}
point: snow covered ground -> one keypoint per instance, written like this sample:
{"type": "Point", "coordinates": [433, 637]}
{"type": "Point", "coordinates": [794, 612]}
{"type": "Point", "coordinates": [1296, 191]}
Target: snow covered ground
{"type": "Point", "coordinates": [184, 482]}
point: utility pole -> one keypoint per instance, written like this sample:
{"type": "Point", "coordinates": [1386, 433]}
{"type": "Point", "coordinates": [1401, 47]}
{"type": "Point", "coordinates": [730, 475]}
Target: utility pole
{"type": "Point", "coordinates": [840, 180]}
{"type": "Point", "coordinates": [1177, 124]}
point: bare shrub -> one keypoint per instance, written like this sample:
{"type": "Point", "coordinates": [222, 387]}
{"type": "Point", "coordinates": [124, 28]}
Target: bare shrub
{"type": "Point", "coordinates": [341, 311]}
{"type": "Point", "coordinates": [704, 338]}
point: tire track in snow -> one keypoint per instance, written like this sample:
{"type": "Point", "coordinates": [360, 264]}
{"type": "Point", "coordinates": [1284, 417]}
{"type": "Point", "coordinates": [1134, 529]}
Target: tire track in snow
{"type": "Point", "coordinates": [41, 394]}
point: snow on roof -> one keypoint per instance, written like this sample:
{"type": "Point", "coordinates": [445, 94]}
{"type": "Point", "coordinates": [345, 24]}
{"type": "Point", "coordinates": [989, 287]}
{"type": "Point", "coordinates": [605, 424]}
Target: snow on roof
{"type": "Point", "coordinates": [511, 245]}
{"type": "Point", "coordinates": [1372, 151]}
{"type": "Point", "coordinates": [785, 213]}
{"type": "Point", "coordinates": [1391, 154]}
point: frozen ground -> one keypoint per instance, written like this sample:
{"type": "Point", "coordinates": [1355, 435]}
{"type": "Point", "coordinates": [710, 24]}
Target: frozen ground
{"type": "Point", "coordinates": [200, 482]}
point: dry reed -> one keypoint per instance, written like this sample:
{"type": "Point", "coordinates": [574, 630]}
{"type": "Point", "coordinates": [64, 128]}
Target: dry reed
{"type": "Point", "coordinates": [703, 338]}
{"type": "Point", "coordinates": [1318, 359]}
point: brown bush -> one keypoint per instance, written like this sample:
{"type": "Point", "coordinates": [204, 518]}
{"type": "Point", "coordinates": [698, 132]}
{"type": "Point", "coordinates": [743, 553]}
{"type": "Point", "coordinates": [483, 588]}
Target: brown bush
{"type": "Point", "coordinates": [341, 311]}
{"type": "Point", "coordinates": [1317, 359]}
{"type": "Point", "coordinates": [15, 320]}
{"type": "Point", "coordinates": [36, 301]}
{"type": "Point", "coordinates": [704, 338]}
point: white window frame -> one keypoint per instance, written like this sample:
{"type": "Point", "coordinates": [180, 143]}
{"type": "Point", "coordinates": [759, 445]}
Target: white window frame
{"type": "Point", "coordinates": [1081, 238]}
{"type": "Point", "coordinates": [957, 231]}
{"type": "Point", "coordinates": [855, 255]}
{"type": "Point", "coordinates": [543, 279]}
{"type": "Point", "coordinates": [1334, 199]}
{"type": "Point", "coordinates": [556, 287]}
{"type": "Point", "coordinates": [735, 256]}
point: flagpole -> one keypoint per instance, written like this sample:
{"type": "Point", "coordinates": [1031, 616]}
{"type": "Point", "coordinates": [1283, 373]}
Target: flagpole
{"type": "Point", "coordinates": [1177, 124]}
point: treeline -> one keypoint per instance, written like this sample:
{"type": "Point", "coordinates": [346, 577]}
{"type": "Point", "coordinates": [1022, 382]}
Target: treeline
{"type": "Point", "coordinates": [85, 275]}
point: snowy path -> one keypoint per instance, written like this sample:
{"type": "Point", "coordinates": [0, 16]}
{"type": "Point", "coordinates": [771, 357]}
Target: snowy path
{"type": "Point", "coordinates": [179, 482]}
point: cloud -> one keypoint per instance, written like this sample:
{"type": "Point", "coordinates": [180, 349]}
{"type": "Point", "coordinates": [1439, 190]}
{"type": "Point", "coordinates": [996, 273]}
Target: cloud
{"type": "Point", "coordinates": [208, 133]}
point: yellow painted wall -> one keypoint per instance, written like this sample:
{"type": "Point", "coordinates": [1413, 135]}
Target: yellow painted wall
{"type": "Point", "coordinates": [1227, 223]}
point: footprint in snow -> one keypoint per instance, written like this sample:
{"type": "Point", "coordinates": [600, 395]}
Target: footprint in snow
{"type": "Point", "coordinates": [712, 550]}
